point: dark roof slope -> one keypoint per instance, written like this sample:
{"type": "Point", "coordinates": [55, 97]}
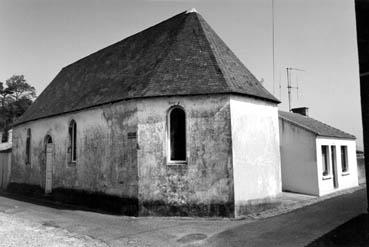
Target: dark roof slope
{"type": "Point", "coordinates": [314, 126]}
{"type": "Point", "coordinates": [179, 56]}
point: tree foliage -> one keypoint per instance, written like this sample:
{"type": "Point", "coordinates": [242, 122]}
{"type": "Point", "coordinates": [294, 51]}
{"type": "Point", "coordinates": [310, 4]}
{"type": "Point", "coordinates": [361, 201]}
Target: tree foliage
{"type": "Point", "coordinates": [15, 97]}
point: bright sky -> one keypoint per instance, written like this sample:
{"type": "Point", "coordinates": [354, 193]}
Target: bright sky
{"type": "Point", "coordinates": [39, 37]}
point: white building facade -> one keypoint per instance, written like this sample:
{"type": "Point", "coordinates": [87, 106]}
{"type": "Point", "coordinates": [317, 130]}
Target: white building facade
{"type": "Point", "coordinates": [316, 159]}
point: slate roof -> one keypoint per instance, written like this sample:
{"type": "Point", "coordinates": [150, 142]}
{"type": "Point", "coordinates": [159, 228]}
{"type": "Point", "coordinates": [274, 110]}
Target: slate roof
{"type": "Point", "coordinates": [179, 56]}
{"type": "Point", "coordinates": [315, 126]}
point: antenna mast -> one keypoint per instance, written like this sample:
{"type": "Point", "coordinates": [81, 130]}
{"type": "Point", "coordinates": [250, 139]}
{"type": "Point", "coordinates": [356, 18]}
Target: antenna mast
{"type": "Point", "coordinates": [289, 84]}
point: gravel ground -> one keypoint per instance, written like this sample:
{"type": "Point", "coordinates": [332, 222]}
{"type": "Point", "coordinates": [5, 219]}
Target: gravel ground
{"type": "Point", "coordinates": [15, 231]}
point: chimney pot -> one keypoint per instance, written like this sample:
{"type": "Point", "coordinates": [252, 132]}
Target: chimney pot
{"type": "Point", "coordinates": [301, 110]}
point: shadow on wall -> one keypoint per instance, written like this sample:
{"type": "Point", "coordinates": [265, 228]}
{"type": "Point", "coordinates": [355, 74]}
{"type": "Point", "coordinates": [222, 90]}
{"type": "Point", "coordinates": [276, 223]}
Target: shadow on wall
{"type": "Point", "coordinates": [99, 202]}
{"type": "Point", "coordinates": [74, 199]}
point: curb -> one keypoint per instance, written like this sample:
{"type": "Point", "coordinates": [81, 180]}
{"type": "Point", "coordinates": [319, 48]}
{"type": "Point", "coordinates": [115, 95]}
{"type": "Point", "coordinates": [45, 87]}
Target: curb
{"type": "Point", "coordinates": [298, 205]}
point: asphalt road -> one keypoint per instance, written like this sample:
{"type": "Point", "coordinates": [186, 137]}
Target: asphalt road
{"type": "Point", "coordinates": [297, 228]}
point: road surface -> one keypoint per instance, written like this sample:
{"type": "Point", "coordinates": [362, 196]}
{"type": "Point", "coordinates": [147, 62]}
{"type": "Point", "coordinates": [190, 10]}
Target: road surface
{"type": "Point", "coordinates": [28, 224]}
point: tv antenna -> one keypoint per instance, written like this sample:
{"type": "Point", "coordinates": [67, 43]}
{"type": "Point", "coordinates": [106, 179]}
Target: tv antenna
{"type": "Point", "coordinates": [289, 84]}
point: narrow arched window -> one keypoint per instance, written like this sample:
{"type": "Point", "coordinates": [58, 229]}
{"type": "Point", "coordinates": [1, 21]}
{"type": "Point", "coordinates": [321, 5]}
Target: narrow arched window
{"type": "Point", "coordinates": [177, 134]}
{"type": "Point", "coordinates": [28, 147]}
{"type": "Point", "coordinates": [73, 140]}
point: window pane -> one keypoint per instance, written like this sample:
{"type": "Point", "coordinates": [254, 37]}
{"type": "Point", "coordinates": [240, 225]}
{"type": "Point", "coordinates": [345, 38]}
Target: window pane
{"type": "Point", "coordinates": [344, 158]}
{"type": "Point", "coordinates": [177, 134]}
{"type": "Point", "coordinates": [28, 147]}
{"type": "Point", "coordinates": [74, 141]}
{"type": "Point", "coordinates": [325, 161]}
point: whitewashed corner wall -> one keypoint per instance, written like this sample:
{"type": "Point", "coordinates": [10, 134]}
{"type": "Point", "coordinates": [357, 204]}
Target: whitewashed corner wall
{"type": "Point", "coordinates": [255, 151]}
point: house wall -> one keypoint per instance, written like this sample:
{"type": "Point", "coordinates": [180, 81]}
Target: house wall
{"type": "Point", "coordinates": [345, 180]}
{"type": "Point", "coordinates": [298, 159]}
{"type": "Point", "coordinates": [106, 157]}
{"type": "Point", "coordinates": [122, 152]}
{"type": "Point", "coordinates": [123, 143]}
{"type": "Point", "coordinates": [204, 185]}
{"type": "Point", "coordinates": [255, 152]}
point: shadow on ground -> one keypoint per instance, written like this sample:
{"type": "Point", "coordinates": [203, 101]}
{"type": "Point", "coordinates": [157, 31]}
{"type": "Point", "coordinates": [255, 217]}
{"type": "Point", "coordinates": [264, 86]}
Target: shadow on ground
{"type": "Point", "coordinates": [354, 232]}
{"type": "Point", "coordinates": [51, 203]}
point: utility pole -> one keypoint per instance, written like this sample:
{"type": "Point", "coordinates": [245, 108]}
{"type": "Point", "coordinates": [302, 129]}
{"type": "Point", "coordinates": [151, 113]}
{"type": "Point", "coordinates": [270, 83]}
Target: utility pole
{"type": "Point", "coordinates": [289, 85]}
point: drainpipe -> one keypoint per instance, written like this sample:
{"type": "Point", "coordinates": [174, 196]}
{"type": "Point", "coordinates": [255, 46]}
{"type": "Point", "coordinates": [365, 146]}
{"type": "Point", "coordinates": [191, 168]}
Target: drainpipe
{"type": "Point", "coordinates": [364, 93]}
{"type": "Point", "coordinates": [361, 10]}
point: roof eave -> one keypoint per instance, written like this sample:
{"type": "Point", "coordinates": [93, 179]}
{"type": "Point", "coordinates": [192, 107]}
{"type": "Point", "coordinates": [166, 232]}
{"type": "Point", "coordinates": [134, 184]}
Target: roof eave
{"type": "Point", "coordinates": [315, 132]}
{"type": "Point", "coordinates": [135, 98]}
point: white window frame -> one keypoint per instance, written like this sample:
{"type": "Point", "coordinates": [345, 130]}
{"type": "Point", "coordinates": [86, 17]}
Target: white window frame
{"type": "Point", "coordinates": [346, 160]}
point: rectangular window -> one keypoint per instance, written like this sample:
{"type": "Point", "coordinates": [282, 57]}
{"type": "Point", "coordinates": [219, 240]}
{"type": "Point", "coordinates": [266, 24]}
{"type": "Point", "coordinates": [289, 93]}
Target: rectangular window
{"type": "Point", "coordinates": [344, 161]}
{"type": "Point", "coordinates": [325, 160]}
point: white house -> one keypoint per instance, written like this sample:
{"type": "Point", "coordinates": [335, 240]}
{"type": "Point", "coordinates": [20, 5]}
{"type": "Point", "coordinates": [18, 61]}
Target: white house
{"type": "Point", "coordinates": [316, 158]}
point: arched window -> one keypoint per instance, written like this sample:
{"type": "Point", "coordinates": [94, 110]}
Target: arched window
{"type": "Point", "coordinates": [28, 147]}
{"type": "Point", "coordinates": [73, 140]}
{"type": "Point", "coordinates": [177, 134]}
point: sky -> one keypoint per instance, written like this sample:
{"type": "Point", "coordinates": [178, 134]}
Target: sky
{"type": "Point", "coordinates": [40, 37]}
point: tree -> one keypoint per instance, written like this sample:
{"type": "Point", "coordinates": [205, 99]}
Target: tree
{"type": "Point", "coordinates": [4, 94]}
{"type": "Point", "coordinates": [20, 88]}
{"type": "Point", "coordinates": [15, 98]}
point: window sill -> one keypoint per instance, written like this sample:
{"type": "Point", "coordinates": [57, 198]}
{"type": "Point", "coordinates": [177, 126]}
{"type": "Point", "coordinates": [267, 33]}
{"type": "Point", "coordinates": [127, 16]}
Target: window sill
{"type": "Point", "coordinates": [72, 163]}
{"type": "Point", "coordinates": [345, 173]}
{"type": "Point", "coordinates": [174, 163]}
{"type": "Point", "coordinates": [327, 177]}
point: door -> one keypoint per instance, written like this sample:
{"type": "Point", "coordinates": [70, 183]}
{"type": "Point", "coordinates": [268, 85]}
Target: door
{"type": "Point", "coordinates": [334, 166]}
{"type": "Point", "coordinates": [49, 164]}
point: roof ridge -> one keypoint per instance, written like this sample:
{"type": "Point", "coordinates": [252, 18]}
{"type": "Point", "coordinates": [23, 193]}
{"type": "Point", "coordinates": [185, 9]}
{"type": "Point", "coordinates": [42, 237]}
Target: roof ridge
{"type": "Point", "coordinates": [328, 125]}
{"type": "Point", "coordinates": [213, 57]}
{"type": "Point", "coordinates": [167, 52]}
{"type": "Point", "coordinates": [309, 128]}
{"type": "Point", "coordinates": [219, 48]}
{"type": "Point", "coordinates": [124, 39]}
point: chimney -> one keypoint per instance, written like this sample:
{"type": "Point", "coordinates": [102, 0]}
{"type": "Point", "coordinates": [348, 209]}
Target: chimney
{"type": "Point", "coordinates": [301, 110]}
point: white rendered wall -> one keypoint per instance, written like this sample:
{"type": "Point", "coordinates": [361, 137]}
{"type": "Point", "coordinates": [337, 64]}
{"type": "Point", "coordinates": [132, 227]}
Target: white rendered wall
{"type": "Point", "coordinates": [298, 159]}
{"type": "Point", "coordinates": [255, 150]}
{"type": "Point", "coordinates": [345, 180]}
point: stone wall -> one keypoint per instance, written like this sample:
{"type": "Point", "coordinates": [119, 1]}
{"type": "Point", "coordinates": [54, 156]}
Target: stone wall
{"type": "Point", "coordinates": [122, 152]}
{"type": "Point", "coordinates": [106, 155]}
{"type": "Point", "coordinates": [204, 185]}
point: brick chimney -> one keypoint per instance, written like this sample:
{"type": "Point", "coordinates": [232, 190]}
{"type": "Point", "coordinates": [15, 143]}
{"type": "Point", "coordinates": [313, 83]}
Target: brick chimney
{"type": "Point", "coordinates": [301, 110]}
